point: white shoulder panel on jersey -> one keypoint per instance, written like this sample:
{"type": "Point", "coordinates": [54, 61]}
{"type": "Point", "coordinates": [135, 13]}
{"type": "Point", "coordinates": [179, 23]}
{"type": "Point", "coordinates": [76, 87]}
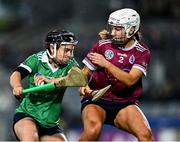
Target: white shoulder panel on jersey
{"type": "Point", "coordinates": [140, 48]}
{"type": "Point", "coordinates": [43, 57]}
{"type": "Point", "coordinates": [40, 55]}
{"type": "Point", "coordinates": [102, 42]}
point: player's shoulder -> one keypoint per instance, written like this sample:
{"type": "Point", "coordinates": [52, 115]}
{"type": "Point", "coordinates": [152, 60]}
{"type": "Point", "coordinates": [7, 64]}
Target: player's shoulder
{"type": "Point", "coordinates": [36, 56]}
{"type": "Point", "coordinates": [104, 42]}
{"type": "Point", "coordinates": [40, 54]}
{"type": "Point", "coordinates": [141, 47]}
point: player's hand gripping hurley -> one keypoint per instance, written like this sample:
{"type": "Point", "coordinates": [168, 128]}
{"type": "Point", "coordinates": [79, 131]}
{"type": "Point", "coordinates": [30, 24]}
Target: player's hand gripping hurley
{"type": "Point", "coordinates": [97, 94]}
{"type": "Point", "coordinates": [75, 78]}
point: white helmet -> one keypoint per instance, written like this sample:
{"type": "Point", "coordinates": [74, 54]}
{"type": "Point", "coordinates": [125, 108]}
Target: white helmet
{"type": "Point", "coordinates": [126, 18]}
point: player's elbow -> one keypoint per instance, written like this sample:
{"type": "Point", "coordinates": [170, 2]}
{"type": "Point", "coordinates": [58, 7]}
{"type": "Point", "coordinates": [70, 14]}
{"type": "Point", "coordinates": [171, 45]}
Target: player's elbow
{"type": "Point", "coordinates": [14, 77]}
{"type": "Point", "coordinates": [11, 80]}
{"type": "Point", "coordinates": [129, 82]}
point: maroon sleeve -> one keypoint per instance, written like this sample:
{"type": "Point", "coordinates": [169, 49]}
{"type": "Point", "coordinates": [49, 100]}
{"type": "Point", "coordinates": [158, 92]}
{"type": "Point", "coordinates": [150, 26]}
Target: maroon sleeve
{"type": "Point", "coordinates": [87, 61]}
{"type": "Point", "coordinates": [143, 60]}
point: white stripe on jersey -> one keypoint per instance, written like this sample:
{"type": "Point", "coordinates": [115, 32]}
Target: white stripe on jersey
{"type": "Point", "coordinates": [137, 66]}
{"type": "Point", "coordinates": [101, 42]}
{"type": "Point", "coordinates": [43, 57]}
{"type": "Point", "coordinates": [140, 48]}
{"type": "Point", "coordinates": [26, 67]}
{"type": "Point", "coordinates": [89, 64]}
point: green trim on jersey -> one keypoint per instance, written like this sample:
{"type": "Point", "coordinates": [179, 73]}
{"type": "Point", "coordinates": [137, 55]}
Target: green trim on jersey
{"type": "Point", "coordinates": [44, 107]}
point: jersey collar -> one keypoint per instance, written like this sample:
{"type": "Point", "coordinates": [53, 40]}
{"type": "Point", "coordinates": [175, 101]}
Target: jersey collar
{"type": "Point", "coordinates": [129, 48]}
{"type": "Point", "coordinates": [45, 59]}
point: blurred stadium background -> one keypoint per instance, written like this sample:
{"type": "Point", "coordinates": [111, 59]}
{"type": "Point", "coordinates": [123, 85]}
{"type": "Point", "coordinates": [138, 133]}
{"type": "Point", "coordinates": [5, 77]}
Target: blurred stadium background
{"type": "Point", "coordinates": [24, 23]}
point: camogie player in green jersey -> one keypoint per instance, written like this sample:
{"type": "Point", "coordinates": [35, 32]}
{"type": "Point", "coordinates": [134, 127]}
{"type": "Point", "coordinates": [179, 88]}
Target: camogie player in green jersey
{"type": "Point", "coordinates": [37, 117]}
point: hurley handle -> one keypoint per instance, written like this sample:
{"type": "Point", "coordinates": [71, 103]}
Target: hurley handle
{"type": "Point", "coordinates": [45, 87]}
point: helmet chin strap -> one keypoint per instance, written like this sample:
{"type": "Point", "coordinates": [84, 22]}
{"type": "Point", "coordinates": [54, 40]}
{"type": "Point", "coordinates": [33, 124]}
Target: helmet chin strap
{"type": "Point", "coordinates": [127, 38]}
{"type": "Point", "coordinates": [54, 48]}
{"type": "Point", "coordinates": [53, 57]}
{"type": "Point", "coordinates": [121, 43]}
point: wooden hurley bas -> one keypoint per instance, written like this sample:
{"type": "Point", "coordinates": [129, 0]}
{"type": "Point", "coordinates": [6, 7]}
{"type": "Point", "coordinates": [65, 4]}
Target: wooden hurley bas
{"type": "Point", "coordinates": [75, 78]}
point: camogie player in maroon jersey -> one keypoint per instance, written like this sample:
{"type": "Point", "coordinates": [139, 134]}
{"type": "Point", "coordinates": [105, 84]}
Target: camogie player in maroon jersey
{"type": "Point", "coordinates": [120, 61]}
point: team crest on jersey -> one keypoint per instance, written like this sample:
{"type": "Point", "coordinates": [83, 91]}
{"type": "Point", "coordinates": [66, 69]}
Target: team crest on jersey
{"type": "Point", "coordinates": [109, 54]}
{"type": "Point", "coordinates": [132, 59]}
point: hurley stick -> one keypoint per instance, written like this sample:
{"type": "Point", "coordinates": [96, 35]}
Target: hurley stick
{"type": "Point", "coordinates": [97, 94]}
{"type": "Point", "coordinates": [75, 78]}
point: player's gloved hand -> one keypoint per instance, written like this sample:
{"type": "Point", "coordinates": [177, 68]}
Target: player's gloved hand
{"type": "Point", "coordinates": [85, 90]}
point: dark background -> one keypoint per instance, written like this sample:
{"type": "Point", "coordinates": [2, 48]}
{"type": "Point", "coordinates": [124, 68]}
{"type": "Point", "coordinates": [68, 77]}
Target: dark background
{"type": "Point", "coordinates": [24, 24]}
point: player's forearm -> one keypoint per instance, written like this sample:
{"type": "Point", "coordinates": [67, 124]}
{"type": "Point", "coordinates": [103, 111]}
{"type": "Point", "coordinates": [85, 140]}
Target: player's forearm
{"type": "Point", "coordinates": [87, 72]}
{"type": "Point", "coordinates": [55, 80]}
{"type": "Point", "coordinates": [15, 79]}
{"type": "Point", "coordinates": [121, 75]}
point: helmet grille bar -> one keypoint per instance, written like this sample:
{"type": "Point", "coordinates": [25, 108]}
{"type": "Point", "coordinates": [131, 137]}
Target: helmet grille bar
{"type": "Point", "coordinates": [61, 36]}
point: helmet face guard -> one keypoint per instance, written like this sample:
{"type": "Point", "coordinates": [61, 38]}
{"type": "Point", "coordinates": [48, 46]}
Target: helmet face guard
{"type": "Point", "coordinates": [118, 41]}
{"type": "Point", "coordinates": [57, 38]}
{"type": "Point", "coordinates": [128, 19]}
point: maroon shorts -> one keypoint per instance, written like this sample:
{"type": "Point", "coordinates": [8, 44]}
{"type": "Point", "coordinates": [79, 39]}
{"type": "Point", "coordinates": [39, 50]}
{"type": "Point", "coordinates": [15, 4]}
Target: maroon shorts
{"type": "Point", "coordinates": [111, 108]}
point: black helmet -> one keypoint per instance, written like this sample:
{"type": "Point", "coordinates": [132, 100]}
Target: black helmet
{"type": "Point", "coordinates": [61, 37]}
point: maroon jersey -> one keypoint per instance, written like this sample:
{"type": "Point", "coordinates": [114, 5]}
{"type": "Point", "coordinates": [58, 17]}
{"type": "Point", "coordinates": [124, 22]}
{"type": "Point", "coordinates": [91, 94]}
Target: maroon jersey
{"type": "Point", "coordinates": [136, 56]}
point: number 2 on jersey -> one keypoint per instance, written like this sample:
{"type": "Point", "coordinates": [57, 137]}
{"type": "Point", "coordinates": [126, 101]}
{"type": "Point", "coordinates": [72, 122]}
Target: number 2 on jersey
{"type": "Point", "coordinates": [121, 59]}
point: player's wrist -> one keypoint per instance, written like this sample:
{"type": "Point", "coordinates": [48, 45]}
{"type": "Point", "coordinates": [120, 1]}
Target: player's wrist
{"type": "Point", "coordinates": [107, 65]}
{"type": "Point", "coordinates": [17, 86]}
